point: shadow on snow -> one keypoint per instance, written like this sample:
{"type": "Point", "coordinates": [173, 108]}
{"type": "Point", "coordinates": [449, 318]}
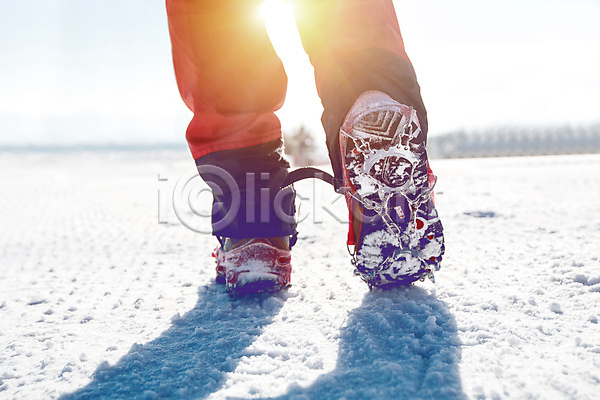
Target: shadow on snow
{"type": "Point", "coordinates": [192, 357]}
{"type": "Point", "coordinates": [400, 343]}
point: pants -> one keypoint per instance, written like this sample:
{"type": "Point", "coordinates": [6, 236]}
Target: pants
{"type": "Point", "coordinates": [232, 80]}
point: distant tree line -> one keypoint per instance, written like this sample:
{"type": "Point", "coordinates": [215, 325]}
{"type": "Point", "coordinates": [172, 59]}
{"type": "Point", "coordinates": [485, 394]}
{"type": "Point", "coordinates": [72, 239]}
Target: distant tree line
{"type": "Point", "coordinates": [301, 146]}
{"type": "Point", "coordinates": [516, 141]}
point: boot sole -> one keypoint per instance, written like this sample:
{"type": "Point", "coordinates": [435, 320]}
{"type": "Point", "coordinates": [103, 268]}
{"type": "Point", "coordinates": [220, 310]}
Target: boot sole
{"type": "Point", "coordinates": [392, 174]}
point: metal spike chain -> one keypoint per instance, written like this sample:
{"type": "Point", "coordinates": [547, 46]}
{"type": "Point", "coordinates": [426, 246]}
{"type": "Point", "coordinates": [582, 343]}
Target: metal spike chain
{"type": "Point", "coordinates": [385, 194]}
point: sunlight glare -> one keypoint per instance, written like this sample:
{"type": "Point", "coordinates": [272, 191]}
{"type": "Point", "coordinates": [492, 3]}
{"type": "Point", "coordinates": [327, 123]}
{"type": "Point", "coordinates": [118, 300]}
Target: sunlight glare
{"type": "Point", "coordinates": [271, 9]}
{"type": "Point", "coordinates": [280, 24]}
{"type": "Point", "coordinates": [302, 105]}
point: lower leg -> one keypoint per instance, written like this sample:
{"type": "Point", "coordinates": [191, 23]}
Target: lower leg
{"type": "Point", "coordinates": [376, 126]}
{"type": "Point", "coordinates": [231, 79]}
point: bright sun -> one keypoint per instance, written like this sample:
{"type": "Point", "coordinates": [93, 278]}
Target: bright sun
{"type": "Point", "coordinates": [271, 9]}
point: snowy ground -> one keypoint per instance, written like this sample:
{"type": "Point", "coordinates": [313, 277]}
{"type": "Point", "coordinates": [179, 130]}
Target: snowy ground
{"type": "Point", "coordinates": [100, 300]}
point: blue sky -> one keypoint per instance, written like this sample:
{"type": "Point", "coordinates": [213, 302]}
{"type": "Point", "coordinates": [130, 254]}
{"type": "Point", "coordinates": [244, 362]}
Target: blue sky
{"type": "Point", "coordinates": [99, 71]}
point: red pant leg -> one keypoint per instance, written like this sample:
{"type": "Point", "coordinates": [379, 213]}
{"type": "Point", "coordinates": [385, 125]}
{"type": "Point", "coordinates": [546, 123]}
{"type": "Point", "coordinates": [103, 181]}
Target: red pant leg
{"type": "Point", "coordinates": [331, 30]}
{"type": "Point", "coordinates": [227, 72]}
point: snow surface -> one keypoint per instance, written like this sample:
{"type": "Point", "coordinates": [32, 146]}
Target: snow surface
{"type": "Point", "coordinates": [100, 300]}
